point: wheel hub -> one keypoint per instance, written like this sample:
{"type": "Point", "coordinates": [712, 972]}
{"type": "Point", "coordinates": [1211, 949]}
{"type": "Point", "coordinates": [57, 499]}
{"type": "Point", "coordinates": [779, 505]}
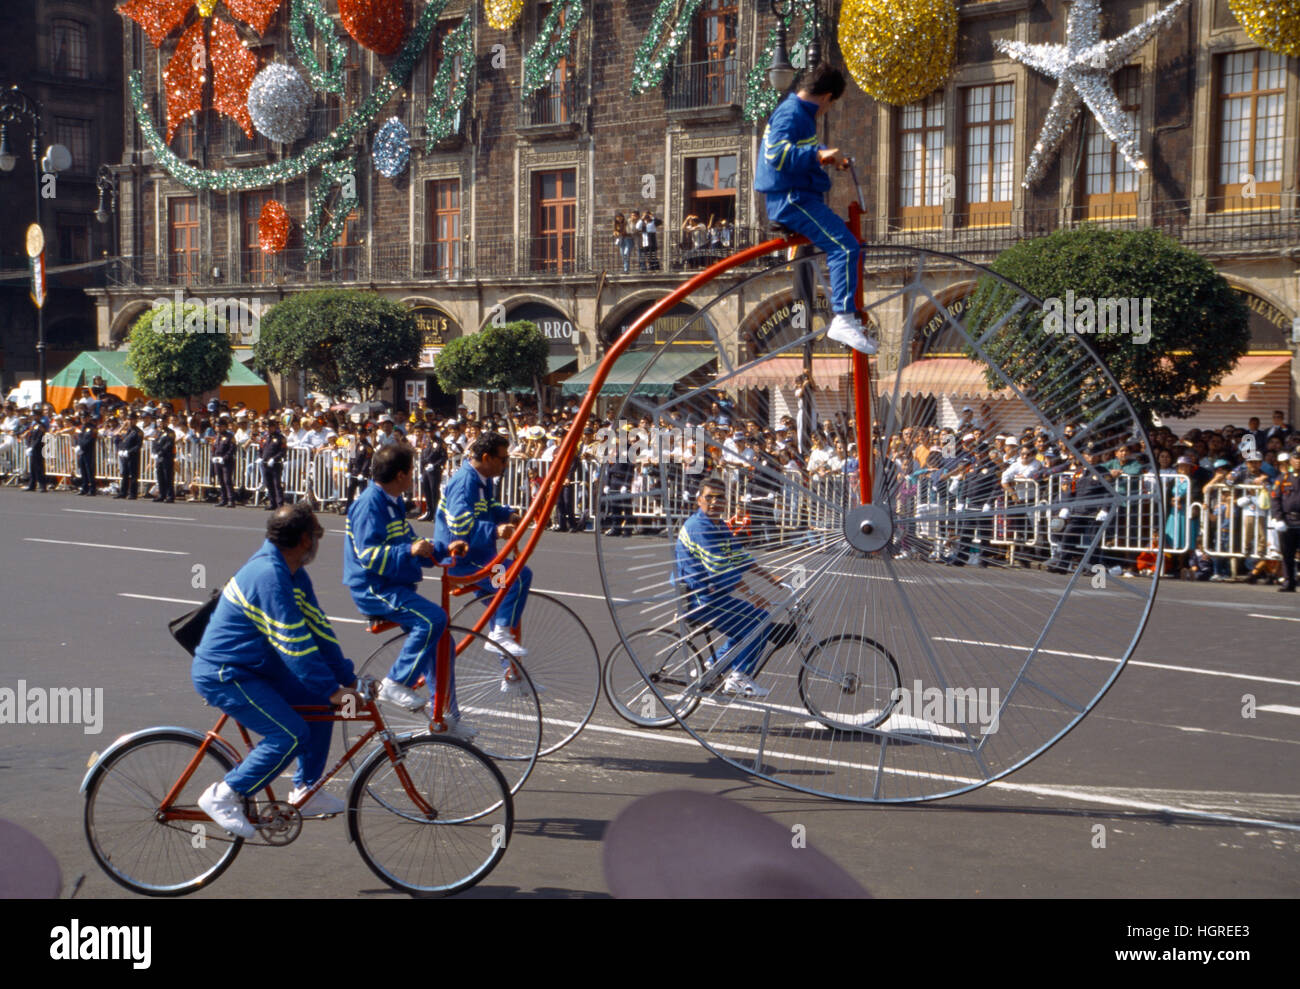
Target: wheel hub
{"type": "Point", "coordinates": [868, 528]}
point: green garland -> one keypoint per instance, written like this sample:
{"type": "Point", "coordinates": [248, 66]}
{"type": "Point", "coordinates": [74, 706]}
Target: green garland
{"type": "Point", "coordinates": [550, 47]}
{"type": "Point", "coordinates": [329, 79]}
{"type": "Point", "coordinates": [445, 100]}
{"type": "Point", "coordinates": [760, 98]}
{"type": "Point", "coordinates": [656, 51]}
{"type": "Point", "coordinates": [239, 179]}
{"type": "Point", "coordinates": [319, 239]}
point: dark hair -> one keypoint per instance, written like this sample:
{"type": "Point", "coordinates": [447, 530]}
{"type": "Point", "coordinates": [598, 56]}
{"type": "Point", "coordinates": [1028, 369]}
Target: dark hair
{"type": "Point", "coordinates": [487, 443]}
{"type": "Point", "coordinates": [390, 461]}
{"type": "Point", "coordinates": [288, 524]}
{"type": "Point", "coordinates": [825, 78]}
{"type": "Point", "coordinates": [716, 483]}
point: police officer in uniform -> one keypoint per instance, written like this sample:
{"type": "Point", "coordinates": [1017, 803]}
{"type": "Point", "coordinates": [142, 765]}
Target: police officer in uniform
{"type": "Point", "coordinates": [433, 457]}
{"type": "Point", "coordinates": [85, 441]}
{"type": "Point", "coordinates": [223, 462]}
{"type": "Point", "coordinates": [164, 461]}
{"type": "Point", "coordinates": [271, 457]}
{"type": "Point", "coordinates": [35, 438]}
{"type": "Point", "coordinates": [358, 465]}
{"type": "Point", "coordinates": [1286, 515]}
{"type": "Point", "coordinates": [127, 442]}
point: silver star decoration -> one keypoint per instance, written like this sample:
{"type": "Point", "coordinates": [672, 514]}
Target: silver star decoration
{"type": "Point", "coordinates": [1083, 67]}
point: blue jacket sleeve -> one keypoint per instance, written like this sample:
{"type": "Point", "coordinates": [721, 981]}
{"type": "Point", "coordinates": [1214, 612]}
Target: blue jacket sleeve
{"type": "Point", "coordinates": [790, 149]}
{"type": "Point", "coordinates": [383, 546]}
{"type": "Point", "coordinates": [462, 516]}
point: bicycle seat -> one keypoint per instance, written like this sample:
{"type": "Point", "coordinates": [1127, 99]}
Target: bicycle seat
{"type": "Point", "coordinates": [378, 625]}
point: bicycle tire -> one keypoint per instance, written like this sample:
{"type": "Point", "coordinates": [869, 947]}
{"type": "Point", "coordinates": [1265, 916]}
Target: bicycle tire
{"type": "Point", "coordinates": [562, 663]}
{"type": "Point", "coordinates": [872, 683]}
{"type": "Point", "coordinates": [673, 669]}
{"type": "Point", "coordinates": [128, 842]}
{"type": "Point", "coordinates": [461, 846]}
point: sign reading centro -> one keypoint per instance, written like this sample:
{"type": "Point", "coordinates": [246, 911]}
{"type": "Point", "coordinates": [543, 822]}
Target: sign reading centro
{"type": "Point", "coordinates": [559, 330]}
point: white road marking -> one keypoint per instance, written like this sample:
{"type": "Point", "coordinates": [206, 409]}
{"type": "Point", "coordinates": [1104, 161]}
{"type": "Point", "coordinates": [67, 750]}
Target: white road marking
{"type": "Point", "coordinates": [1133, 662]}
{"type": "Point", "coordinates": [1279, 709]}
{"type": "Point", "coordinates": [1276, 618]}
{"type": "Point", "coordinates": [128, 515]}
{"type": "Point", "coordinates": [132, 549]}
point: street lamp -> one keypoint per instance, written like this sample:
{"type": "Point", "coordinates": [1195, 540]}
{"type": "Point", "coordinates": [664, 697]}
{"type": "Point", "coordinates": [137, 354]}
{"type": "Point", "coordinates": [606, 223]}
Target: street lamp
{"type": "Point", "coordinates": [780, 73]}
{"type": "Point", "coordinates": [104, 180]}
{"type": "Point", "coordinates": [16, 107]}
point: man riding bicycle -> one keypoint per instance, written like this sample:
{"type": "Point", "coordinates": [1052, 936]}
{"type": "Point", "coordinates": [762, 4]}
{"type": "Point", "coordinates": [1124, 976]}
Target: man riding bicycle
{"type": "Point", "coordinates": [382, 563]}
{"type": "Point", "coordinates": [710, 563]}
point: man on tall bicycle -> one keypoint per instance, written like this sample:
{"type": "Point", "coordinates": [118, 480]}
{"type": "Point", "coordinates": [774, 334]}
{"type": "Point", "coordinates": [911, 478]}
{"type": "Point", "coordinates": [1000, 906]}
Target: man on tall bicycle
{"type": "Point", "coordinates": [710, 563]}
{"type": "Point", "coordinates": [382, 564]}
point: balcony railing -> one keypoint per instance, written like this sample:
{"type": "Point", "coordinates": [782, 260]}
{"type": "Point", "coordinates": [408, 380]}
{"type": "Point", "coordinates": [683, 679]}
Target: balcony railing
{"type": "Point", "coordinates": [557, 105]}
{"type": "Point", "coordinates": [701, 85]}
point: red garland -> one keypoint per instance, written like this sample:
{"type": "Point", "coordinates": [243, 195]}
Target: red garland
{"type": "Point", "coordinates": [379, 25]}
{"type": "Point", "coordinates": [273, 228]}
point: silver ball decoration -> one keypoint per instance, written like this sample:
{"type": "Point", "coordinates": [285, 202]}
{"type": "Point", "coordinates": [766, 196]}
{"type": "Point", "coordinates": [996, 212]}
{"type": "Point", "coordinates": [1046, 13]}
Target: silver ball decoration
{"type": "Point", "coordinates": [279, 101]}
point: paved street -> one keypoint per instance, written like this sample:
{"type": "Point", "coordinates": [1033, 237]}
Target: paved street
{"type": "Point", "coordinates": [1181, 782]}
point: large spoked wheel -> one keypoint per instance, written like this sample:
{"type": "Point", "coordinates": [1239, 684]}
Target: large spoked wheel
{"type": "Point", "coordinates": [670, 686]}
{"type": "Point", "coordinates": [496, 697]}
{"type": "Point", "coordinates": [999, 616]}
{"type": "Point", "coordinates": [849, 682]}
{"type": "Point", "coordinates": [438, 824]}
{"type": "Point", "coordinates": [123, 801]}
{"type": "Point", "coordinates": [562, 661]}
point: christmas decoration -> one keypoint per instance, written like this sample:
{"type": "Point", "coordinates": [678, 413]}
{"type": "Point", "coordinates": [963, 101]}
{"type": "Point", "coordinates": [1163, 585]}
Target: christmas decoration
{"type": "Point", "coordinates": [273, 228]}
{"type": "Point", "coordinates": [760, 98]}
{"type": "Point", "coordinates": [232, 63]}
{"type": "Point", "coordinates": [898, 52]}
{"type": "Point", "coordinates": [446, 99]}
{"type": "Point", "coordinates": [279, 102]}
{"type": "Point", "coordinates": [318, 237]}
{"type": "Point", "coordinates": [502, 14]}
{"type": "Point", "coordinates": [553, 41]}
{"type": "Point", "coordinates": [392, 149]}
{"type": "Point", "coordinates": [375, 24]}
{"type": "Point", "coordinates": [669, 26]}
{"type": "Point", "coordinates": [237, 179]}
{"type": "Point", "coordinates": [1271, 24]}
{"type": "Point", "coordinates": [327, 78]}
{"type": "Point", "coordinates": [1083, 67]}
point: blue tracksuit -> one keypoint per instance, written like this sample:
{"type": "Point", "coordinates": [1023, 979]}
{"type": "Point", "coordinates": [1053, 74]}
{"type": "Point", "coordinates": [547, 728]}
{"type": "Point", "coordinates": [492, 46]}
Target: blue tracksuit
{"type": "Point", "coordinates": [795, 183]}
{"type": "Point", "coordinates": [709, 564]}
{"type": "Point", "coordinates": [469, 511]}
{"type": "Point", "coordinates": [382, 573]}
{"type": "Point", "coordinates": [267, 647]}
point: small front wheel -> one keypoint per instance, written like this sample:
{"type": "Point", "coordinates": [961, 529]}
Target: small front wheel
{"type": "Point", "coordinates": [849, 682]}
{"type": "Point", "coordinates": [671, 685]}
{"type": "Point", "coordinates": [435, 821]}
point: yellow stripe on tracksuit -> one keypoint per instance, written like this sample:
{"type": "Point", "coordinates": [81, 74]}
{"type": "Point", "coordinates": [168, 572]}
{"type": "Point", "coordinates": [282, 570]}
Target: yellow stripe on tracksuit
{"type": "Point", "coordinates": [273, 773]}
{"type": "Point", "coordinates": [268, 626]}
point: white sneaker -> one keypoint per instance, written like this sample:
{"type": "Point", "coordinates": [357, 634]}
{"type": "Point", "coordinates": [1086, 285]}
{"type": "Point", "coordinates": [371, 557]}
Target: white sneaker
{"type": "Point", "coordinates": [744, 685]}
{"type": "Point", "coordinates": [458, 727]}
{"type": "Point", "coordinates": [848, 330]}
{"type": "Point", "coordinates": [393, 692]}
{"type": "Point", "coordinates": [502, 640]}
{"type": "Point", "coordinates": [226, 807]}
{"type": "Point", "coordinates": [322, 803]}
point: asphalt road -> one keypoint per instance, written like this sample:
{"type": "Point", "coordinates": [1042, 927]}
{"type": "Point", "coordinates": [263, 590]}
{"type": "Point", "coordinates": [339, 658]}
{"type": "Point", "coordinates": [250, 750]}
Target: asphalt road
{"type": "Point", "coordinates": [1192, 799]}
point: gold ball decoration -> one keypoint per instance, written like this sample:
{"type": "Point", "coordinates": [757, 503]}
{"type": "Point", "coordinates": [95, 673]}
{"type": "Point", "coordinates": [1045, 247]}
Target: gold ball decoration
{"type": "Point", "coordinates": [1272, 24]}
{"type": "Point", "coordinates": [502, 14]}
{"type": "Point", "coordinates": [898, 51]}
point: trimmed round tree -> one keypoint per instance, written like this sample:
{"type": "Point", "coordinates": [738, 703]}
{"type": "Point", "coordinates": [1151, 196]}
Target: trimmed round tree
{"type": "Point", "coordinates": [344, 339]}
{"type": "Point", "coordinates": [496, 358]}
{"type": "Point", "coordinates": [179, 351]}
{"type": "Point", "coordinates": [1162, 320]}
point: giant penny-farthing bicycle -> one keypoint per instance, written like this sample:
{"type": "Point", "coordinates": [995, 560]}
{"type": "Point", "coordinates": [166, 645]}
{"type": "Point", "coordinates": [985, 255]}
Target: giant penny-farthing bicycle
{"type": "Point", "coordinates": [907, 679]}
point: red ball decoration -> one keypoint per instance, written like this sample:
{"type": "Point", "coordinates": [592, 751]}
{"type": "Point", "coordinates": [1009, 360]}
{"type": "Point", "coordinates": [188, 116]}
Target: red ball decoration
{"type": "Point", "coordinates": [379, 25]}
{"type": "Point", "coordinates": [273, 228]}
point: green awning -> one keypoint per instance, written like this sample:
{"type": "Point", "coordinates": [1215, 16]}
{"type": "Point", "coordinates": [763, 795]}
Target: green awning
{"type": "Point", "coordinates": [560, 362]}
{"type": "Point", "coordinates": [663, 375]}
{"type": "Point", "coordinates": [111, 366]}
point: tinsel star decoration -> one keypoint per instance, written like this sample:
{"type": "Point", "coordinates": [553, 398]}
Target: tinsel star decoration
{"type": "Point", "coordinates": [233, 65]}
{"type": "Point", "coordinates": [1083, 67]}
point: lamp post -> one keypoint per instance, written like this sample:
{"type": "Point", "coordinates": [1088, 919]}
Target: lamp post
{"type": "Point", "coordinates": [780, 73]}
{"type": "Point", "coordinates": [16, 107]}
{"type": "Point", "coordinates": [103, 214]}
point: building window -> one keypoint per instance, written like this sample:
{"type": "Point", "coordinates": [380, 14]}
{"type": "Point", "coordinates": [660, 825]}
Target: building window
{"type": "Point", "coordinates": [254, 261]}
{"type": "Point", "coordinates": [553, 103]}
{"type": "Point", "coordinates": [442, 238]}
{"type": "Point", "coordinates": [988, 143]}
{"type": "Point", "coordinates": [183, 238]}
{"type": "Point", "coordinates": [68, 49]}
{"type": "Point", "coordinates": [185, 142]}
{"type": "Point", "coordinates": [74, 134]}
{"type": "Point", "coordinates": [435, 63]}
{"type": "Point", "coordinates": [555, 220]}
{"type": "Point", "coordinates": [920, 164]}
{"type": "Point", "coordinates": [1252, 91]}
{"type": "Point", "coordinates": [74, 237]}
{"type": "Point", "coordinates": [716, 37]}
{"type": "Point", "coordinates": [1110, 184]}
{"type": "Point", "coordinates": [712, 188]}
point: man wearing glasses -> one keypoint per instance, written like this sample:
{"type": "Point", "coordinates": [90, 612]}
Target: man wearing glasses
{"type": "Point", "coordinates": [710, 563]}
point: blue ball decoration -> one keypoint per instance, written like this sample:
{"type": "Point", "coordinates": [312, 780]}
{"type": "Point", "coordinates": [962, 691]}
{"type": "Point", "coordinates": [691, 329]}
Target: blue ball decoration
{"type": "Point", "coordinates": [392, 151]}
